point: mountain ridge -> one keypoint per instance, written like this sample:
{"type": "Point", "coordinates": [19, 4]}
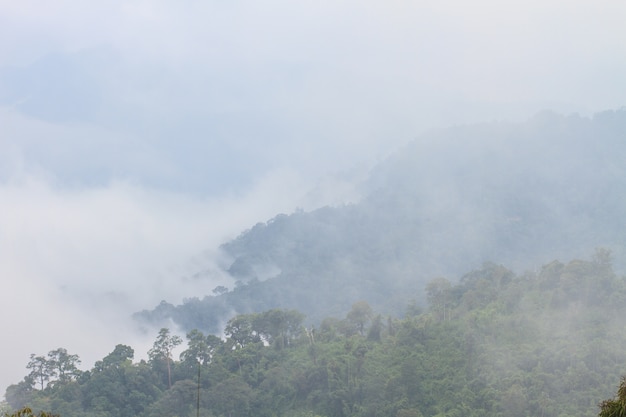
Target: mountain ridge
{"type": "Point", "coordinates": [519, 194]}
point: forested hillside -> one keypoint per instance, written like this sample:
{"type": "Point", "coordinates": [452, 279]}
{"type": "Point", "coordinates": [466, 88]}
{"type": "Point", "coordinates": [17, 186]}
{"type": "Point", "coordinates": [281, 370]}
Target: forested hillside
{"type": "Point", "coordinates": [546, 343]}
{"type": "Point", "coordinates": [517, 194]}
{"type": "Point", "coordinates": [367, 309]}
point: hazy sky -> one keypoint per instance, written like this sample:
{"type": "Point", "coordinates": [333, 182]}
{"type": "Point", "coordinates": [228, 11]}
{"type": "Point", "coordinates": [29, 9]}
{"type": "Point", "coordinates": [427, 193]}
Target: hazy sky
{"type": "Point", "coordinates": [135, 136]}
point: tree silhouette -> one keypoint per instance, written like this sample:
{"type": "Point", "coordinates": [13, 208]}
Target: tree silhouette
{"type": "Point", "coordinates": [162, 350]}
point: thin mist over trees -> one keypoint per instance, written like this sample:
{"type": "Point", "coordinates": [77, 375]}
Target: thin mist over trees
{"type": "Point", "coordinates": [367, 309]}
{"type": "Point", "coordinates": [544, 343]}
{"type": "Point", "coordinates": [519, 194]}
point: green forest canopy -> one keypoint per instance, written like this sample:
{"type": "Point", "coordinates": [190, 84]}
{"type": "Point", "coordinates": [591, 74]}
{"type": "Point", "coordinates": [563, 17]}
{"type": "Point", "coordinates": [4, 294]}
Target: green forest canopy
{"type": "Point", "coordinates": [543, 343]}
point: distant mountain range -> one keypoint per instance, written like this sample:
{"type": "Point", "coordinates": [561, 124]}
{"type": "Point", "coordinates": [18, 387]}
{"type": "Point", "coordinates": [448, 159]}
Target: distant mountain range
{"type": "Point", "coordinates": [519, 194]}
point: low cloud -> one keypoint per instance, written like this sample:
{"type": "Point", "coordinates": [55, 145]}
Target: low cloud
{"type": "Point", "coordinates": [76, 263]}
{"type": "Point", "coordinates": [136, 135]}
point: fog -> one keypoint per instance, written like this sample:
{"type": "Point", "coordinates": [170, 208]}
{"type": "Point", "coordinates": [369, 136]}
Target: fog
{"type": "Point", "coordinates": [135, 137]}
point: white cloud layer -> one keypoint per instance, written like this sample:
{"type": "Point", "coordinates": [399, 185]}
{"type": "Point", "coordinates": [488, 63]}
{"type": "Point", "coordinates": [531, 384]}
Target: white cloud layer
{"type": "Point", "coordinates": [76, 263]}
{"type": "Point", "coordinates": [135, 135]}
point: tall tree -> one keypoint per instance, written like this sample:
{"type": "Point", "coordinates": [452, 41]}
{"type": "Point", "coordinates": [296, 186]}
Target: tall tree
{"type": "Point", "coordinates": [41, 370]}
{"type": "Point", "coordinates": [122, 354]}
{"type": "Point", "coordinates": [240, 332]}
{"type": "Point", "coordinates": [64, 364]}
{"type": "Point", "coordinates": [360, 315]}
{"type": "Point", "coordinates": [200, 348]}
{"type": "Point", "coordinates": [278, 327]}
{"type": "Point", "coordinates": [162, 350]}
{"type": "Point", "coordinates": [438, 296]}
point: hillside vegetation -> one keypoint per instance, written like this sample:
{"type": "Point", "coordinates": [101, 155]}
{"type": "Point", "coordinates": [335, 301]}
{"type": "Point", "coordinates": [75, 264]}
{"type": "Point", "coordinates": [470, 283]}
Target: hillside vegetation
{"type": "Point", "coordinates": [367, 309]}
{"type": "Point", "coordinates": [547, 343]}
{"type": "Point", "coordinates": [517, 194]}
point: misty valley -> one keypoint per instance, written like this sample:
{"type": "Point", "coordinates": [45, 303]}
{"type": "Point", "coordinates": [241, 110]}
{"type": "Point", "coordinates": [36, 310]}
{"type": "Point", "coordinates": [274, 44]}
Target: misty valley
{"type": "Point", "coordinates": [481, 273]}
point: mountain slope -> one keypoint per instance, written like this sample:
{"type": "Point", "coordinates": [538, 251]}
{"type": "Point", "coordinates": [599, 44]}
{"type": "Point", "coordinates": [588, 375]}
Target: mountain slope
{"type": "Point", "coordinates": [519, 194]}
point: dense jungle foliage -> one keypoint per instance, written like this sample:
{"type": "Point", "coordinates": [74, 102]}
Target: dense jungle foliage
{"type": "Point", "coordinates": [544, 343]}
